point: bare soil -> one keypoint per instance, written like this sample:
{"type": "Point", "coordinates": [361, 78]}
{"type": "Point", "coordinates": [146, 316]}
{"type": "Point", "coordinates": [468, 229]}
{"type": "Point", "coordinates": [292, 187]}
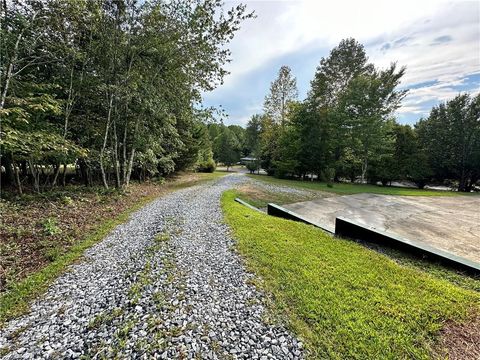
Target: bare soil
{"type": "Point", "coordinates": [460, 341]}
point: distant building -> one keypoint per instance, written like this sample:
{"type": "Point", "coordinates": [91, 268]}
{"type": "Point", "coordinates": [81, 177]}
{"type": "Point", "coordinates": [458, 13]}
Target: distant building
{"type": "Point", "coordinates": [246, 160]}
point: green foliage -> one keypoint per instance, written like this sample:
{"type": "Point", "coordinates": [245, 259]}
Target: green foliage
{"type": "Point", "coordinates": [207, 166]}
{"type": "Point", "coordinates": [115, 86]}
{"type": "Point", "coordinates": [253, 166]}
{"type": "Point", "coordinates": [344, 300]}
{"type": "Point", "coordinates": [227, 147]}
{"type": "Point", "coordinates": [342, 125]}
{"type": "Point", "coordinates": [50, 226]}
{"type": "Point", "coordinates": [283, 91]}
{"type": "Point", "coordinates": [252, 136]}
{"type": "Point", "coordinates": [450, 139]}
{"type": "Point", "coordinates": [346, 124]}
{"type": "Point", "coordinates": [67, 200]}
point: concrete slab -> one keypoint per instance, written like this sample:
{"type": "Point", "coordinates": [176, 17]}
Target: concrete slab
{"type": "Point", "coordinates": [451, 224]}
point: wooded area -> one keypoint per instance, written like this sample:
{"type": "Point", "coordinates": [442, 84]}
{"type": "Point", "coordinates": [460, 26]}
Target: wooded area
{"type": "Point", "coordinates": [345, 130]}
{"type": "Point", "coordinates": [106, 91]}
{"type": "Point", "coordinates": [111, 88]}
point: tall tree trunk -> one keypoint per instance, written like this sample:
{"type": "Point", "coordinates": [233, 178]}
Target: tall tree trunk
{"type": "Point", "coordinates": [35, 174]}
{"type": "Point", "coordinates": [132, 154]}
{"type": "Point", "coordinates": [9, 73]}
{"type": "Point", "coordinates": [56, 172]}
{"type": "Point", "coordinates": [68, 111]}
{"type": "Point", "coordinates": [124, 165]}
{"type": "Point", "coordinates": [130, 167]}
{"type": "Point", "coordinates": [17, 178]}
{"type": "Point", "coordinates": [105, 138]}
{"type": "Point", "coordinates": [364, 168]}
{"type": "Point", "coordinates": [84, 171]}
{"type": "Point", "coordinates": [116, 163]}
{"type": "Point", "coordinates": [64, 174]}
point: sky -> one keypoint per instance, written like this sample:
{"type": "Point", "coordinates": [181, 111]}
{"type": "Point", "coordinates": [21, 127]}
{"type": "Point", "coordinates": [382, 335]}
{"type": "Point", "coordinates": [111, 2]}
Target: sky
{"type": "Point", "coordinates": [438, 42]}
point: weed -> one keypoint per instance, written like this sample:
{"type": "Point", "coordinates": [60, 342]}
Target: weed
{"type": "Point", "coordinates": [67, 200]}
{"type": "Point", "coordinates": [162, 237]}
{"type": "Point", "coordinates": [50, 227]}
{"type": "Point", "coordinates": [52, 253]}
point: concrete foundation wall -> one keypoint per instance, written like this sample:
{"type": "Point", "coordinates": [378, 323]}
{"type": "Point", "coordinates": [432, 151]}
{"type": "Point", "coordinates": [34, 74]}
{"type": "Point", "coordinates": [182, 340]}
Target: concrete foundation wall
{"type": "Point", "coordinates": [351, 229]}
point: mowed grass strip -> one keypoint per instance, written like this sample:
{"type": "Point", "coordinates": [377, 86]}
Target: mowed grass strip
{"type": "Point", "coordinates": [349, 189]}
{"type": "Point", "coordinates": [344, 300]}
{"type": "Point", "coordinates": [16, 300]}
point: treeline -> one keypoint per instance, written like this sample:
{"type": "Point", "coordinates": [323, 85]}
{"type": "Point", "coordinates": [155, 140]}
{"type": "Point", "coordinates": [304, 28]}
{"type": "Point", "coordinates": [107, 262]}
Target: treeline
{"type": "Point", "coordinates": [110, 86]}
{"type": "Point", "coordinates": [345, 129]}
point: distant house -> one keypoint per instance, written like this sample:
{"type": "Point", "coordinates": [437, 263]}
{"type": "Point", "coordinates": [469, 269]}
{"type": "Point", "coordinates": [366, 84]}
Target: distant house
{"type": "Point", "coordinates": [246, 160]}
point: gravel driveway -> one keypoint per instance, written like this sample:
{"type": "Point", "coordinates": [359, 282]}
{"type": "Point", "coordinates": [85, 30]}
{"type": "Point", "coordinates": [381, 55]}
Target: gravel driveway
{"type": "Point", "coordinates": [166, 284]}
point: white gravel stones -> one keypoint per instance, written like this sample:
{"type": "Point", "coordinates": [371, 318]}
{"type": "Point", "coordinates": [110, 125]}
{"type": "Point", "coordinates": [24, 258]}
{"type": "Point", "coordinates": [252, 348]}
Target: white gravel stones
{"type": "Point", "coordinates": [164, 285]}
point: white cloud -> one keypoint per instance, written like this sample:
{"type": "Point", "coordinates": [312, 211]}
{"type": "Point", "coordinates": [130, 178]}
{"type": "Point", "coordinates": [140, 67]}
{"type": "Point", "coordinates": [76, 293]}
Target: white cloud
{"type": "Point", "coordinates": [286, 27]}
{"type": "Point", "coordinates": [282, 27]}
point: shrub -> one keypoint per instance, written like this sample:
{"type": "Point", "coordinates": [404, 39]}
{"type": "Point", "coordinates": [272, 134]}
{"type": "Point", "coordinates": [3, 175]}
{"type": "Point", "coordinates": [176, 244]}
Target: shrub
{"type": "Point", "coordinates": [327, 176]}
{"type": "Point", "coordinates": [50, 227]}
{"type": "Point", "coordinates": [252, 166]}
{"type": "Point", "coordinates": [67, 200]}
{"type": "Point", "coordinates": [207, 166]}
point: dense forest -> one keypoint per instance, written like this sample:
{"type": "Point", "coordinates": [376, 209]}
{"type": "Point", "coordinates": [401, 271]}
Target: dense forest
{"type": "Point", "coordinates": [345, 130]}
{"type": "Point", "coordinates": [111, 88]}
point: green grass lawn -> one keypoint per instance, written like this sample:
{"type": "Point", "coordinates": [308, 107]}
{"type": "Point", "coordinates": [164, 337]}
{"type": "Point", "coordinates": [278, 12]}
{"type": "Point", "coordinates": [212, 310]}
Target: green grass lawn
{"type": "Point", "coordinates": [348, 189]}
{"type": "Point", "coordinates": [344, 300]}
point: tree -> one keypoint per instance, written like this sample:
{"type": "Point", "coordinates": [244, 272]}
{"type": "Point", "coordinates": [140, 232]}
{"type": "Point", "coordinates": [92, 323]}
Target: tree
{"type": "Point", "coordinates": [239, 133]}
{"type": "Point", "coordinates": [228, 148]}
{"type": "Point", "coordinates": [451, 138]}
{"type": "Point", "coordinates": [283, 90]}
{"type": "Point", "coordinates": [409, 159]}
{"type": "Point", "coordinates": [308, 140]}
{"type": "Point", "coordinates": [344, 63]}
{"type": "Point", "coordinates": [116, 85]}
{"type": "Point", "coordinates": [252, 135]}
{"type": "Point", "coordinates": [368, 103]}
{"type": "Point", "coordinates": [333, 76]}
{"type": "Point", "coordinates": [269, 147]}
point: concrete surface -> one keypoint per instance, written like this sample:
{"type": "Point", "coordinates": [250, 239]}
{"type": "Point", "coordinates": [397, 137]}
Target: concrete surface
{"type": "Point", "coordinates": [450, 224]}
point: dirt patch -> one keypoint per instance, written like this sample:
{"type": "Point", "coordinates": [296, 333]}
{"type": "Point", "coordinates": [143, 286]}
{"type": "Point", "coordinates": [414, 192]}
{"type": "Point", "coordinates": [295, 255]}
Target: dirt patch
{"type": "Point", "coordinates": [260, 195]}
{"type": "Point", "coordinates": [460, 341]}
{"type": "Point", "coordinates": [253, 191]}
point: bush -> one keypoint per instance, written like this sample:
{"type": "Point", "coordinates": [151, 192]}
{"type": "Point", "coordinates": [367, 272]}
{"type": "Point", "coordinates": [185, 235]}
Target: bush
{"type": "Point", "coordinates": [327, 176]}
{"type": "Point", "coordinates": [252, 166]}
{"type": "Point", "coordinates": [51, 227]}
{"type": "Point", "coordinates": [207, 166]}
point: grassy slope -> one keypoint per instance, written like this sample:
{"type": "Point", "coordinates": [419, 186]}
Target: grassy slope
{"type": "Point", "coordinates": [16, 300]}
{"type": "Point", "coordinates": [344, 300]}
{"type": "Point", "coordinates": [347, 189]}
